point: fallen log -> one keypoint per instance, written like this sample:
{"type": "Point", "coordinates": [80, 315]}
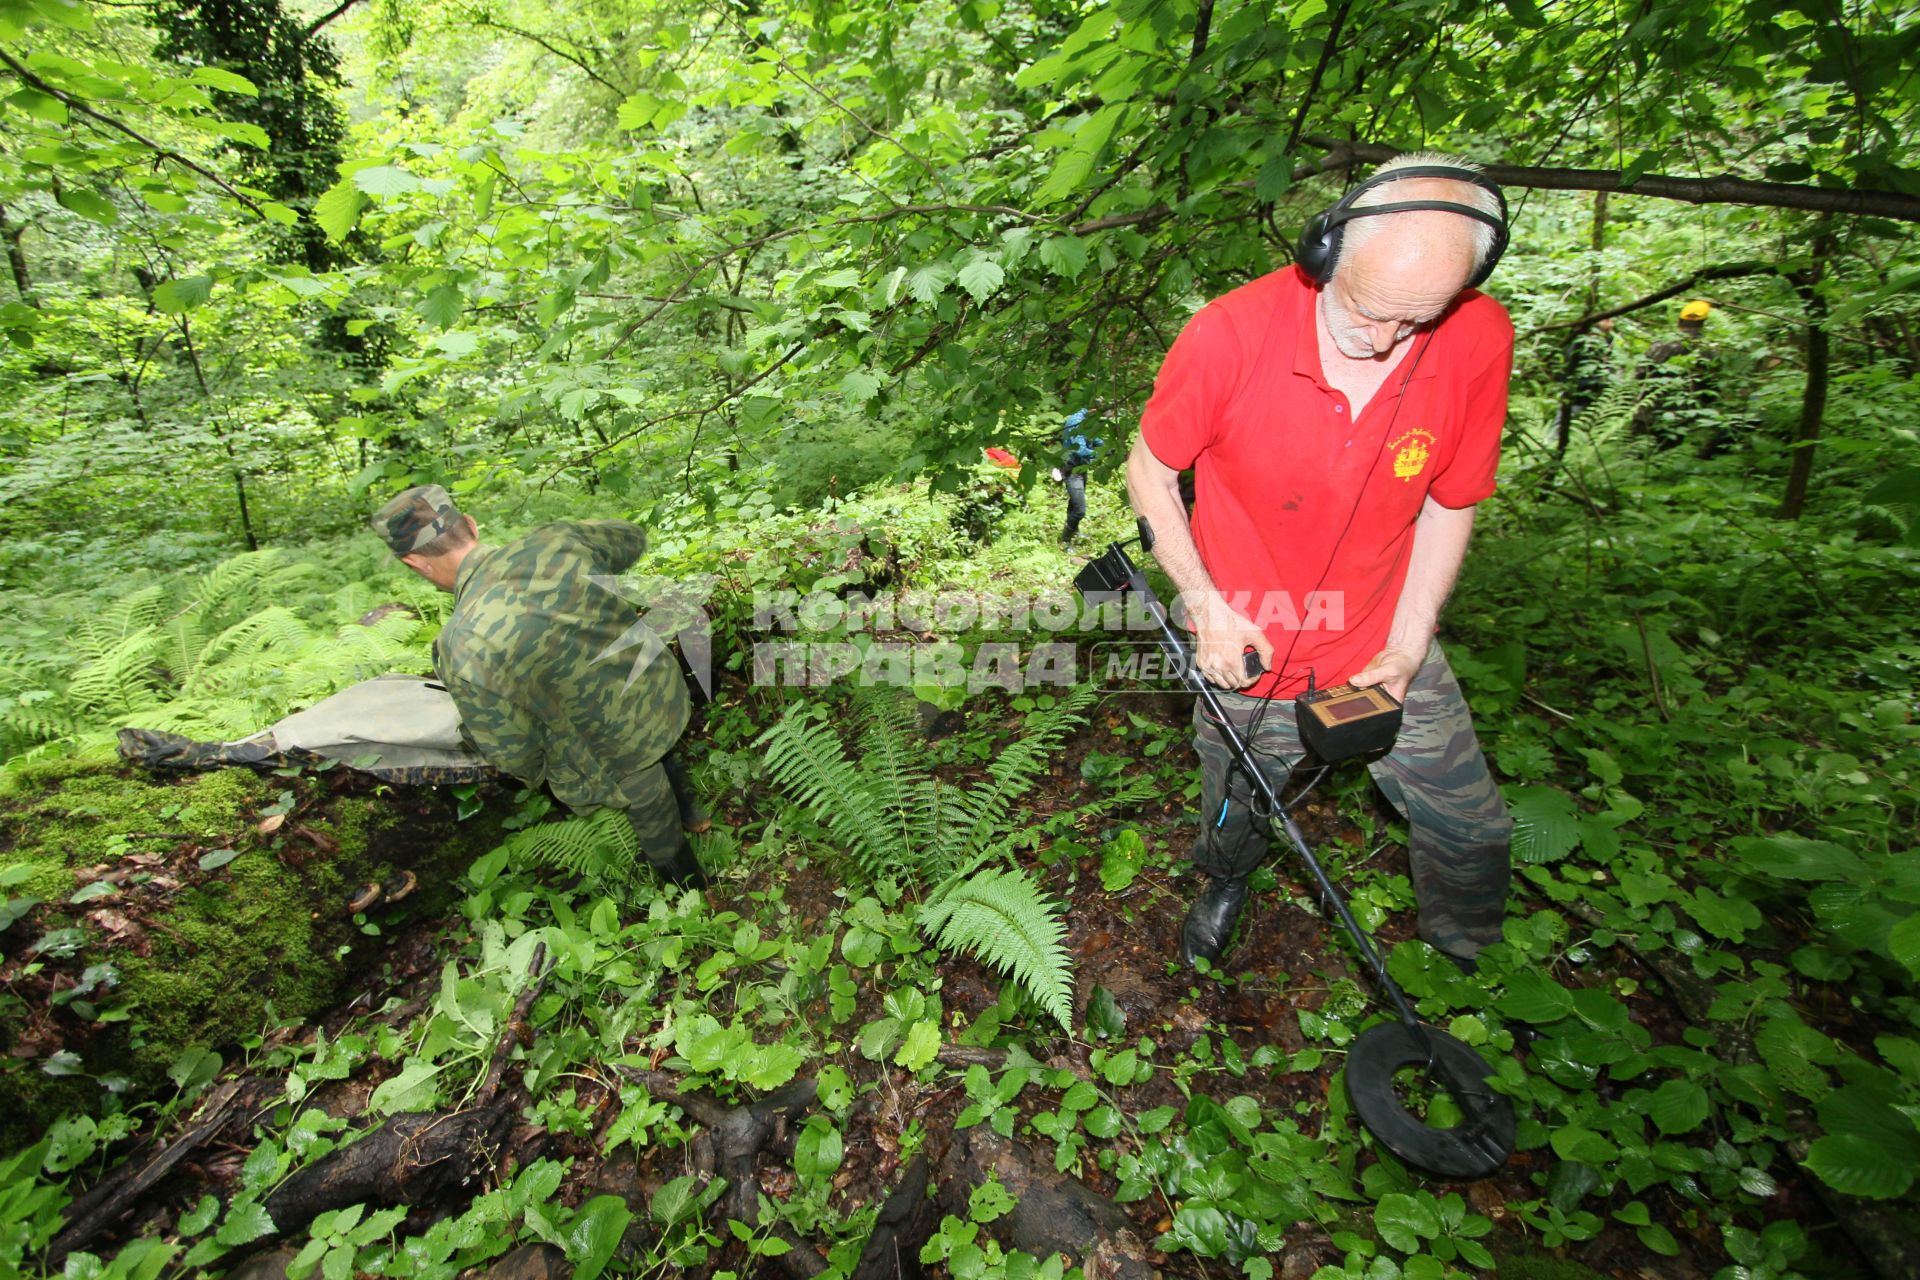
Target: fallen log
{"type": "Point", "coordinates": [736, 1135]}
{"type": "Point", "coordinates": [1052, 1212]}
{"type": "Point", "coordinates": [121, 1190]}
{"type": "Point", "coordinates": [905, 1222]}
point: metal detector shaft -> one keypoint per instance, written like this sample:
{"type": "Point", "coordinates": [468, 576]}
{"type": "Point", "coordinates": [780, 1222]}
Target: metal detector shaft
{"type": "Point", "coordinates": [1190, 675]}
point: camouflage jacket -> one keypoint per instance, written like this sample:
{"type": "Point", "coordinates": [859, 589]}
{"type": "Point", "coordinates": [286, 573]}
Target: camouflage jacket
{"type": "Point", "coordinates": [555, 680]}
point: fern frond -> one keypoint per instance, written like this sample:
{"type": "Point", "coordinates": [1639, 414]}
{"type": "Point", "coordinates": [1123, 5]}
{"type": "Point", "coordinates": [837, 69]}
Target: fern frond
{"type": "Point", "coordinates": [124, 678]}
{"type": "Point", "coordinates": [599, 847]}
{"type": "Point", "coordinates": [804, 758]}
{"type": "Point", "coordinates": [1004, 920]}
{"type": "Point", "coordinates": [1015, 770]}
{"type": "Point", "coordinates": [902, 790]}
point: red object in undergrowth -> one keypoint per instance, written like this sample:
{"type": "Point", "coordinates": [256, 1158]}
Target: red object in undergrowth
{"type": "Point", "coordinates": [1001, 458]}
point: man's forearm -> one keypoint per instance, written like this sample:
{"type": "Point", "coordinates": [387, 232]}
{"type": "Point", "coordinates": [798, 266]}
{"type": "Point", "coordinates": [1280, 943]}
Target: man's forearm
{"type": "Point", "coordinates": [1439, 546]}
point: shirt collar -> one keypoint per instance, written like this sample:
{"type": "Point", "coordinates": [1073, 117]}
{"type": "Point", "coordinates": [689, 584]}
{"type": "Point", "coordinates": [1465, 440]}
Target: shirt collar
{"type": "Point", "coordinates": [467, 568]}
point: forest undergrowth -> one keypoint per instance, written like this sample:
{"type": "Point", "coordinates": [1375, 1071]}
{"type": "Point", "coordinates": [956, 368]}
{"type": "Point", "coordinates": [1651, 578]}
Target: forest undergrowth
{"type": "Point", "coordinates": [1704, 1009]}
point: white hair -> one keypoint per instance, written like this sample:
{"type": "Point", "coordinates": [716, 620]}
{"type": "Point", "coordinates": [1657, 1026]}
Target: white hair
{"type": "Point", "coordinates": [1361, 230]}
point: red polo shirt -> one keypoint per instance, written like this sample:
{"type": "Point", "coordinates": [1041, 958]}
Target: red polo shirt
{"type": "Point", "coordinates": [1303, 517]}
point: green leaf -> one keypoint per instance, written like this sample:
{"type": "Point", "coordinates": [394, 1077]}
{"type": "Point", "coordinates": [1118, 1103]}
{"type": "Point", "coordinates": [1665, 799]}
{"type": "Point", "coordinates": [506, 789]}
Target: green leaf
{"type": "Point", "coordinates": [413, 1089]}
{"type": "Point", "coordinates": [338, 208]}
{"type": "Point", "coordinates": [443, 305]}
{"type": "Point", "coordinates": [1903, 943]}
{"type": "Point", "coordinates": [928, 282]}
{"type": "Point", "coordinates": [1064, 255]}
{"type": "Point", "coordinates": [1794, 1053]}
{"type": "Point", "coordinates": [88, 205]}
{"type": "Point", "coordinates": [1534, 997]}
{"type": "Point", "coordinates": [859, 386]}
{"type": "Point", "coordinates": [225, 81]}
{"type": "Point", "coordinates": [1076, 163]}
{"type": "Point", "coordinates": [40, 106]}
{"type": "Point", "coordinates": [981, 277]}
{"type": "Point", "coordinates": [1790, 857]}
{"type": "Point", "coordinates": [198, 1218]}
{"type": "Point", "coordinates": [385, 180]}
{"type": "Point", "coordinates": [245, 1223]}
{"type": "Point", "coordinates": [989, 1201]}
{"type": "Point", "coordinates": [595, 1233]}
{"type": "Point", "coordinates": [1545, 826]}
{"type": "Point", "coordinates": [922, 1043]}
{"type": "Point", "coordinates": [768, 1066]}
{"type": "Point", "coordinates": [818, 1151]}
{"type": "Point", "coordinates": [1678, 1106]}
{"type": "Point", "coordinates": [1404, 1220]}
{"type": "Point", "coordinates": [1858, 1166]}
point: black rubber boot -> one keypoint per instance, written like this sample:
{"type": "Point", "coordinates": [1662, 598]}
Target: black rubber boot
{"type": "Point", "coordinates": [684, 870]}
{"type": "Point", "coordinates": [1210, 920]}
{"type": "Point", "coordinates": [693, 818]}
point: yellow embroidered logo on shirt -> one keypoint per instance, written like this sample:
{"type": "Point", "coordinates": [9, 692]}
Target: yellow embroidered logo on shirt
{"type": "Point", "coordinates": [1411, 452]}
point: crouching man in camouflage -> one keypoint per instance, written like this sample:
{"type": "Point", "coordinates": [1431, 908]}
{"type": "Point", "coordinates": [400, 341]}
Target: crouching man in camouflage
{"type": "Point", "coordinates": [540, 660]}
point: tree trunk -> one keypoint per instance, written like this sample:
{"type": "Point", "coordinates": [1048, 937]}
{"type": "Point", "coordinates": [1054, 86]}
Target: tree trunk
{"type": "Point", "coordinates": [17, 258]}
{"type": "Point", "coordinates": [1813, 403]}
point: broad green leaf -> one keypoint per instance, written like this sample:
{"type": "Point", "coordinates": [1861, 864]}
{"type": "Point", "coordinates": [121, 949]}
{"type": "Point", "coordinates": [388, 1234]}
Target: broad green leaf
{"type": "Point", "coordinates": [1678, 1106]}
{"type": "Point", "coordinates": [595, 1233]}
{"type": "Point", "coordinates": [818, 1151]}
{"type": "Point", "coordinates": [1076, 163]}
{"type": "Point", "coordinates": [1064, 255]}
{"type": "Point", "coordinates": [385, 180]}
{"type": "Point", "coordinates": [1794, 1052]}
{"type": "Point", "coordinates": [859, 386]}
{"type": "Point", "coordinates": [1534, 997]}
{"type": "Point", "coordinates": [338, 208]}
{"type": "Point", "coordinates": [920, 1046]}
{"type": "Point", "coordinates": [981, 277]}
{"type": "Point", "coordinates": [177, 296]}
{"type": "Point", "coordinates": [1544, 824]}
{"type": "Point", "coordinates": [1404, 1220]}
{"type": "Point", "coordinates": [40, 106]}
{"type": "Point", "coordinates": [1791, 857]}
{"type": "Point", "coordinates": [1859, 1167]}
{"type": "Point", "coordinates": [443, 305]}
{"type": "Point", "coordinates": [88, 205]}
{"type": "Point", "coordinates": [413, 1089]}
{"type": "Point", "coordinates": [928, 282]}
{"type": "Point", "coordinates": [225, 81]}
{"type": "Point", "coordinates": [1904, 943]}
{"type": "Point", "coordinates": [245, 1223]}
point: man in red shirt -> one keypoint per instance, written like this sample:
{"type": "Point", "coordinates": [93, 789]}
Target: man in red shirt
{"type": "Point", "coordinates": [1342, 420]}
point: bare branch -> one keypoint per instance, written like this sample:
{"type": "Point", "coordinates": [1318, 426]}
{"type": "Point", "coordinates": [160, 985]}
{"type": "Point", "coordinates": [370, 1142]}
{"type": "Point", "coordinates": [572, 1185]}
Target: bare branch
{"type": "Point", "coordinates": [1725, 189]}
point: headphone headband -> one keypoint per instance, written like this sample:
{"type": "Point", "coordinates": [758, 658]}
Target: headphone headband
{"type": "Point", "coordinates": [1320, 239]}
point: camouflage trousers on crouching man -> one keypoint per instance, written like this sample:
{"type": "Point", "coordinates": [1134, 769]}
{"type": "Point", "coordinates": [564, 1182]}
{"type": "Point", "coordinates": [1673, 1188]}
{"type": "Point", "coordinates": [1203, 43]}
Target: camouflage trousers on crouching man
{"type": "Point", "coordinates": [664, 809]}
{"type": "Point", "coordinates": [1436, 776]}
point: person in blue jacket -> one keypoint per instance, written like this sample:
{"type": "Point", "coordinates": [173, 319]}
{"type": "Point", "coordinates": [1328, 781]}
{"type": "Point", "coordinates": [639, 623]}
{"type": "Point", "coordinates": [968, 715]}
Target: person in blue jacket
{"type": "Point", "coordinates": [1078, 455]}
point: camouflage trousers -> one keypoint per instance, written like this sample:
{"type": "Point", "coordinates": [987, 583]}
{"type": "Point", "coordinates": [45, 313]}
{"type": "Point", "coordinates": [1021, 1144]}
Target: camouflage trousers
{"type": "Point", "coordinates": [666, 806]}
{"type": "Point", "coordinates": [1436, 776]}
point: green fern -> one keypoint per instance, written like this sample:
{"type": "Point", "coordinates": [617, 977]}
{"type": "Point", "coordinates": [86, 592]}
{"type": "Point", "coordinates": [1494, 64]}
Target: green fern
{"type": "Point", "coordinates": [899, 821]}
{"type": "Point", "coordinates": [600, 848]}
{"type": "Point", "coordinates": [1002, 918]}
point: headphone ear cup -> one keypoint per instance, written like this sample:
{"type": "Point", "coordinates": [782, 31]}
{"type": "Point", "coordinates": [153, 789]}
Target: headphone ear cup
{"type": "Point", "coordinates": [1493, 258]}
{"type": "Point", "coordinates": [1318, 243]}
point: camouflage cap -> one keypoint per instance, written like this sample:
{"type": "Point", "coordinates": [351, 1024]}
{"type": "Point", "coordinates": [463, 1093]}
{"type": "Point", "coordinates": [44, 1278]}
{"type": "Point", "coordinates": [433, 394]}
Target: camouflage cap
{"type": "Point", "coordinates": [415, 518]}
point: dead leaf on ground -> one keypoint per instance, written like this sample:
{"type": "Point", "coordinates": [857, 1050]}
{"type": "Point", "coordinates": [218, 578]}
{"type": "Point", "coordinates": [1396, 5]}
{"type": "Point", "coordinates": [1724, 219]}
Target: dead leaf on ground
{"type": "Point", "coordinates": [271, 824]}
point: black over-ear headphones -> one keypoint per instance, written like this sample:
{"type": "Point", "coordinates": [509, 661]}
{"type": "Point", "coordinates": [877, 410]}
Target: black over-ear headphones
{"type": "Point", "coordinates": [1320, 240]}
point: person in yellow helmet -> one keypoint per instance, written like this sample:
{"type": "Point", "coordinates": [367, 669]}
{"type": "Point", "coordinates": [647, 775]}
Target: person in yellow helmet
{"type": "Point", "coordinates": [1693, 316]}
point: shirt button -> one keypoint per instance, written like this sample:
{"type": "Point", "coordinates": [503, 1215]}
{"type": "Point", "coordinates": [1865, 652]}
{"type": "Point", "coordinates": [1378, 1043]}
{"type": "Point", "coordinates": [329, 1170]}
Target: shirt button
{"type": "Point", "coordinates": [1339, 408]}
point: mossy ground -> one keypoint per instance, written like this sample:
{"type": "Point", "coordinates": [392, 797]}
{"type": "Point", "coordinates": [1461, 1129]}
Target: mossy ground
{"type": "Point", "coordinates": [214, 928]}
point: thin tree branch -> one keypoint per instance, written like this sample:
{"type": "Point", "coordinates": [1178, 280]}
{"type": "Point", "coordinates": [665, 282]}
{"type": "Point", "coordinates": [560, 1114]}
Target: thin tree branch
{"type": "Point", "coordinates": [1724, 189]}
{"type": "Point", "coordinates": [482, 20]}
{"type": "Point", "coordinates": [1726, 271]}
{"type": "Point", "coordinates": [313, 28]}
{"type": "Point", "coordinates": [33, 81]}
{"type": "Point", "coordinates": [1313, 85]}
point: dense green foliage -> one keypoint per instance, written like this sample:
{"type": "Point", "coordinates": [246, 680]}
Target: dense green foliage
{"type": "Point", "coordinates": [765, 278]}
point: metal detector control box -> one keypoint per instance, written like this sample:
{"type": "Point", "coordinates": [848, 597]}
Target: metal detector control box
{"type": "Point", "coordinates": [1346, 720]}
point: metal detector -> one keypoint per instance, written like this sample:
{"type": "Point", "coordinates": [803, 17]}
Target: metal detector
{"type": "Point", "coordinates": [1484, 1138]}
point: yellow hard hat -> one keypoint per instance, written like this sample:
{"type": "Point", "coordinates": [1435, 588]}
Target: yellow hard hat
{"type": "Point", "coordinates": [1698, 309]}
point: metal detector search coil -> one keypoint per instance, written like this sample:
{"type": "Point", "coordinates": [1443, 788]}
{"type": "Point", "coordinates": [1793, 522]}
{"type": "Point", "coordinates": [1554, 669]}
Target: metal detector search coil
{"type": "Point", "coordinates": [1347, 720]}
